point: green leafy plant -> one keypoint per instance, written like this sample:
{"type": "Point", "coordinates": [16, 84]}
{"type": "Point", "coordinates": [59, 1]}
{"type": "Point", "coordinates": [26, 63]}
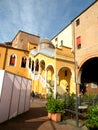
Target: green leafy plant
{"type": "Point", "coordinates": [55, 105]}
{"type": "Point", "coordinates": [92, 118]}
{"type": "Point", "coordinates": [88, 99]}
{"type": "Point", "coordinates": [70, 101]}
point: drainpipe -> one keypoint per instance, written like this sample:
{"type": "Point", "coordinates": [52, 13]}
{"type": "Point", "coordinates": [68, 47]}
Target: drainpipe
{"type": "Point", "coordinates": [77, 117]}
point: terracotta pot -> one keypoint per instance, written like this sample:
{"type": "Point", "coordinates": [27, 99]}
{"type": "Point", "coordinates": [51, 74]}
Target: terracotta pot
{"type": "Point", "coordinates": [49, 115]}
{"type": "Point", "coordinates": [56, 117]}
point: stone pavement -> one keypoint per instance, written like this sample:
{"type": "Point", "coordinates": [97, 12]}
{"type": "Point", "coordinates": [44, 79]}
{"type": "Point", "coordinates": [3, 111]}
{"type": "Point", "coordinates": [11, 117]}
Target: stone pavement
{"type": "Point", "coordinates": [36, 119]}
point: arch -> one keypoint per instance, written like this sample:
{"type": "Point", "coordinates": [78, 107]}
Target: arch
{"type": "Point", "coordinates": [64, 80]}
{"type": "Point", "coordinates": [86, 59]}
{"type": "Point", "coordinates": [23, 62]}
{"type": "Point", "coordinates": [32, 67]}
{"type": "Point", "coordinates": [12, 60]}
{"type": "Point", "coordinates": [42, 68]}
{"type": "Point", "coordinates": [30, 63]}
{"type": "Point", "coordinates": [87, 76]}
{"type": "Point", "coordinates": [50, 75]}
{"type": "Point", "coordinates": [37, 65]}
{"type": "Point", "coordinates": [50, 65]}
{"type": "Point", "coordinates": [70, 68]}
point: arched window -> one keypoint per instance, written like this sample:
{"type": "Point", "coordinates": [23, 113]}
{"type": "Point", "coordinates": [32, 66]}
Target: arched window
{"type": "Point", "coordinates": [29, 62]}
{"type": "Point", "coordinates": [12, 60]}
{"type": "Point", "coordinates": [23, 62]}
{"type": "Point", "coordinates": [32, 65]}
{"type": "Point", "coordinates": [37, 65]}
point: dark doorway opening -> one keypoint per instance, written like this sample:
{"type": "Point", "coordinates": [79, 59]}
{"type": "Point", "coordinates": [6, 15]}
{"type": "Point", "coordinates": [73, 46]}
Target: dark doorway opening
{"type": "Point", "coordinates": [89, 73]}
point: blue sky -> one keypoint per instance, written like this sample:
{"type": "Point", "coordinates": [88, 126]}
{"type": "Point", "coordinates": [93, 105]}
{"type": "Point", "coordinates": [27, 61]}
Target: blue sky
{"type": "Point", "coordinates": [39, 17]}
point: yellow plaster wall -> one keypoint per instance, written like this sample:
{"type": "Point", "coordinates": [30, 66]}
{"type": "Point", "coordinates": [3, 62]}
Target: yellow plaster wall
{"type": "Point", "coordinates": [17, 69]}
{"type": "Point", "coordinates": [62, 80]}
{"type": "Point", "coordinates": [57, 64]}
{"type": "Point", "coordinates": [38, 87]}
{"type": "Point", "coordinates": [48, 60]}
{"type": "Point", "coordinates": [43, 73]}
{"type": "Point", "coordinates": [68, 81]}
{"type": "Point", "coordinates": [61, 63]}
{"type": "Point", "coordinates": [72, 86]}
{"type": "Point", "coordinates": [2, 56]}
{"type": "Point", "coordinates": [64, 53]}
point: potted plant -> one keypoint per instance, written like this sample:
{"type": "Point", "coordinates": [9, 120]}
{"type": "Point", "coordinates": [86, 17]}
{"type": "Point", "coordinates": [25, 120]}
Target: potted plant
{"type": "Point", "coordinates": [55, 107]}
{"type": "Point", "coordinates": [92, 118]}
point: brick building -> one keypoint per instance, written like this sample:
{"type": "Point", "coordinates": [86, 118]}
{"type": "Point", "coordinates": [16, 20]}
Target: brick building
{"type": "Point", "coordinates": [85, 38]}
{"type": "Point", "coordinates": [81, 35]}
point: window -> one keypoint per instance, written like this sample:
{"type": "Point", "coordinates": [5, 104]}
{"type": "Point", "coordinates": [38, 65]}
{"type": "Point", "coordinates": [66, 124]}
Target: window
{"type": "Point", "coordinates": [93, 85]}
{"type": "Point", "coordinates": [77, 22]}
{"type": "Point", "coordinates": [23, 62]}
{"type": "Point", "coordinates": [78, 42]}
{"type": "Point", "coordinates": [37, 66]}
{"type": "Point", "coordinates": [65, 72]}
{"type": "Point", "coordinates": [12, 60]}
{"type": "Point", "coordinates": [32, 65]}
{"type": "Point", "coordinates": [56, 39]}
{"type": "Point", "coordinates": [61, 42]}
{"type": "Point", "coordinates": [29, 62]}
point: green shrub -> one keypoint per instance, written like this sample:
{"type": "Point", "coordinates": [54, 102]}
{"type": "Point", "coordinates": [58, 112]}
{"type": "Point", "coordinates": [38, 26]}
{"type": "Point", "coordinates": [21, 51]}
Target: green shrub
{"type": "Point", "coordinates": [54, 105]}
{"type": "Point", "coordinates": [89, 99]}
{"type": "Point", "coordinates": [70, 101]}
{"type": "Point", "coordinates": [92, 118]}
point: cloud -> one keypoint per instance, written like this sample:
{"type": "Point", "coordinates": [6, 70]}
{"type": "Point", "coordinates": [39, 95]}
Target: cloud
{"type": "Point", "coordinates": [33, 16]}
{"type": "Point", "coordinates": [44, 17]}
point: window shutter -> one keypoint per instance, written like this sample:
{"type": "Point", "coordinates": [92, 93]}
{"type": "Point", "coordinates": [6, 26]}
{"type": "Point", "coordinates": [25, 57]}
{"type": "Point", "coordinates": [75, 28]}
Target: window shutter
{"type": "Point", "coordinates": [78, 41]}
